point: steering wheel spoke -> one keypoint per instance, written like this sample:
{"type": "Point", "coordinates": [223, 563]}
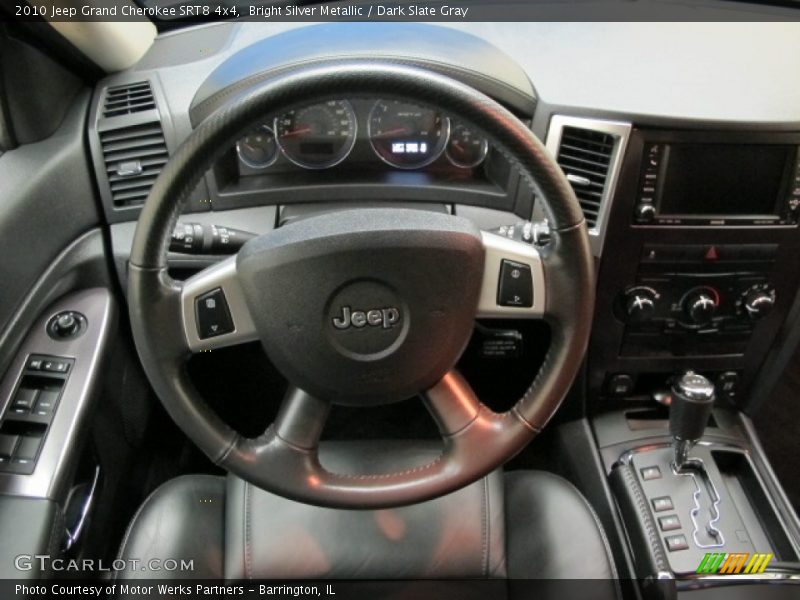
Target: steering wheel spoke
{"type": "Point", "coordinates": [301, 419]}
{"type": "Point", "coordinates": [452, 403]}
{"type": "Point", "coordinates": [214, 310]}
{"type": "Point", "coordinates": [513, 280]}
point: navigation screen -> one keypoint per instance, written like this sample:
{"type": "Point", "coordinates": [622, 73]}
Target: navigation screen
{"type": "Point", "coordinates": [723, 179]}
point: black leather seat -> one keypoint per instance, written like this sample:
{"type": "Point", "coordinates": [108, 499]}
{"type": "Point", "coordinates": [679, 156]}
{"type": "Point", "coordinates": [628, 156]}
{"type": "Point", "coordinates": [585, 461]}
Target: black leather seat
{"type": "Point", "coordinates": [521, 525]}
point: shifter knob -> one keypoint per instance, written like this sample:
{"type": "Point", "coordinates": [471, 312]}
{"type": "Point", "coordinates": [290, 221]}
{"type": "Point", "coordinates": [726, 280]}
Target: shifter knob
{"type": "Point", "coordinates": [692, 399]}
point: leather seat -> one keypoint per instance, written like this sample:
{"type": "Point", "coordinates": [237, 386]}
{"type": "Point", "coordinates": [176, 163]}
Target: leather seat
{"type": "Point", "coordinates": [520, 525]}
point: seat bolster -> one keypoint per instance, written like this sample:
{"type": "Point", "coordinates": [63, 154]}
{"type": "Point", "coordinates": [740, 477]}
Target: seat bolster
{"type": "Point", "coordinates": [182, 520]}
{"type": "Point", "coordinates": [552, 532]}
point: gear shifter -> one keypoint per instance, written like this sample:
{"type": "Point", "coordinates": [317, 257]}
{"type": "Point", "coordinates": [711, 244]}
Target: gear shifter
{"type": "Point", "coordinates": [692, 399]}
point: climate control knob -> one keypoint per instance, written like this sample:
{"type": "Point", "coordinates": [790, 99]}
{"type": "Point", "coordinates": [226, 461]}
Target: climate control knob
{"type": "Point", "coordinates": [700, 306]}
{"type": "Point", "coordinates": [640, 303]}
{"type": "Point", "coordinates": [758, 301]}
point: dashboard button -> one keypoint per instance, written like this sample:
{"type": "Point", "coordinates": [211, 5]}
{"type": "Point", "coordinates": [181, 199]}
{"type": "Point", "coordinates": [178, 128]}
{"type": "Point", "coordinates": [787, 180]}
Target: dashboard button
{"type": "Point", "coordinates": [516, 285]}
{"type": "Point", "coordinates": [669, 523]}
{"type": "Point", "coordinates": [662, 503]}
{"type": "Point", "coordinates": [213, 317]}
{"type": "Point", "coordinates": [676, 542]}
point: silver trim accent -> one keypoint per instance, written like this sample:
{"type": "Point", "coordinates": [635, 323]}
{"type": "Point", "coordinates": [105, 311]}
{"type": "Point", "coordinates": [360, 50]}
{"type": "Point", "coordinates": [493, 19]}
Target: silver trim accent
{"type": "Point", "coordinates": [221, 275]}
{"type": "Point", "coordinates": [250, 163]}
{"type": "Point", "coordinates": [499, 248]}
{"type": "Point", "coordinates": [310, 166]}
{"type": "Point", "coordinates": [74, 534]}
{"type": "Point", "coordinates": [457, 163]}
{"type": "Point", "coordinates": [445, 138]}
{"type": "Point", "coordinates": [49, 478]}
{"type": "Point", "coordinates": [711, 528]}
{"type": "Point", "coordinates": [621, 131]}
{"type": "Point", "coordinates": [774, 575]}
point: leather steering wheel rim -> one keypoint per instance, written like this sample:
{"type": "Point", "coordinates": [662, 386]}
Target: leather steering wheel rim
{"type": "Point", "coordinates": [284, 460]}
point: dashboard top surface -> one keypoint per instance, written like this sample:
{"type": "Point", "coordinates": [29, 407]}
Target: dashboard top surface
{"type": "Point", "coordinates": [693, 72]}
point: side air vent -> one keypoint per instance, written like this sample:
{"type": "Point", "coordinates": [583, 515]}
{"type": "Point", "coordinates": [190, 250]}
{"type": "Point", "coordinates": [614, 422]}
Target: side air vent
{"type": "Point", "coordinates": [127, 99]}
{"type": "Point", "coordinates": [133, 157]}
{"type": "Point", "coordinates": [585, 157]}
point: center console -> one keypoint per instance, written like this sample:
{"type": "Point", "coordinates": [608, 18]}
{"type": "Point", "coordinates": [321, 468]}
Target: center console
{"type": "Point", "coordinates": [696, 278]}
{"type": "Point", "coordinates": [702, 269]}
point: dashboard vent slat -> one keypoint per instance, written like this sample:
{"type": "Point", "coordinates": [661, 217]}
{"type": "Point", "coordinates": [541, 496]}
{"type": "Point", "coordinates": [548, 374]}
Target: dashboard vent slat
{"type": "Point", "coordinates": [133, 157]}
{"type": "Point", "coordinates": [128, 99]}
{"type": "Point", "coordinates": [585, 157]}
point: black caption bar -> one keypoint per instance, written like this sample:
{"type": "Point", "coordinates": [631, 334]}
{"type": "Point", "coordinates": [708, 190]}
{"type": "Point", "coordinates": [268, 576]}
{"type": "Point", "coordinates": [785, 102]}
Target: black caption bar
{"type": "Point", "coordinates": [436, 11]}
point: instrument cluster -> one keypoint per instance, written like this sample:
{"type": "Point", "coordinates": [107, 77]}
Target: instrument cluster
{"type": "Point", "coordinates": [403, 135]}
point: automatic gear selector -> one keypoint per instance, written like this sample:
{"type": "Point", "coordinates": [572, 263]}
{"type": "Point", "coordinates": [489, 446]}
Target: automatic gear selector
{"type": "Point", "coordinates": [692, 400]}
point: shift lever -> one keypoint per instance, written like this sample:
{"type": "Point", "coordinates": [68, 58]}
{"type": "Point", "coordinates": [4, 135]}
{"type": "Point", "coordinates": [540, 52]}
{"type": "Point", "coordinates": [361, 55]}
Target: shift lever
{"type": "Point", "coordinates": [692, 399]}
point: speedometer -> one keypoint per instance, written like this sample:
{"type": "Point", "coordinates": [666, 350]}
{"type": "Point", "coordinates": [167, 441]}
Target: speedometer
{"type": "Point", "coordinates": [406, 135]}
{"type": "Point", "coordinates": [317, 136]}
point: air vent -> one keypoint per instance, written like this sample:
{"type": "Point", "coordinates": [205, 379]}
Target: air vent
{"type": "Point", "coordinates": [585, 157]}
{"type": "Point", "coordinates": [133, 156]}
{"type": "Point", "coordinates": [127, 99]}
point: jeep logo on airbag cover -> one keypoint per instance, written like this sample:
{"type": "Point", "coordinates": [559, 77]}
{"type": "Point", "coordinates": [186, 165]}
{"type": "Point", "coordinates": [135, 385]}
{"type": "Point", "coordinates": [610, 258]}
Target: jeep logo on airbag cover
{"type": "Point", "coordinates": [375, 317]}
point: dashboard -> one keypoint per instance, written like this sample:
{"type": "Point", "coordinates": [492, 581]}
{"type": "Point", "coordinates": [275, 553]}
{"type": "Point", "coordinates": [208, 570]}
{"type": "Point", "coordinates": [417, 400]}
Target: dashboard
{"type": "Point", "coordinates": [690, 188]}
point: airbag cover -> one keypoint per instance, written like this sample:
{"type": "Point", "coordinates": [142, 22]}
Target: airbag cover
{"type": "Point", "coordinates": [365, 307]}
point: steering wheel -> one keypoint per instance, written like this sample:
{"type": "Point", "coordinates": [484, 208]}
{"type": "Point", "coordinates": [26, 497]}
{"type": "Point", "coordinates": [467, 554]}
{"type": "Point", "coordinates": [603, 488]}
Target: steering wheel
{"type": "Point", "coordinates": [361, 307]}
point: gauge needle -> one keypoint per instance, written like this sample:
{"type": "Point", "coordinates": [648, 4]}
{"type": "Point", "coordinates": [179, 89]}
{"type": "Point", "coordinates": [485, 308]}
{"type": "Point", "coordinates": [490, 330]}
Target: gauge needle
{"type": "Point", "coordinates": [394, 131]}
{"type": "Point", "coordinates": [458, 146]}
{"type": "Point", "coordinates": [298, 131]}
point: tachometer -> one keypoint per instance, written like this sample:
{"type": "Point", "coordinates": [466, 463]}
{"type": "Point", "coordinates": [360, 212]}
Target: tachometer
{"type": "Point", "coordinates": [406, 135]}
{"type": "Point", "coordinates": [317, 136]}
{"type": "Point", "coordinates": [258, 149]}
{"type": "Point", "coordinates": [466, 148]}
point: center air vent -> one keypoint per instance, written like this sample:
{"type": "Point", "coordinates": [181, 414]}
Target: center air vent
{"type": "Point", "coordinates": [133, 157]}
{"type": "Point", "coordinates": [585, 157]}
{"type": "Point", "coordinates": [127, 99]}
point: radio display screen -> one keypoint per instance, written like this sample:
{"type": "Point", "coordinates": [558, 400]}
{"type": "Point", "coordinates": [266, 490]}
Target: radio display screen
{"type": "Point", "coordinates": [723, 179]}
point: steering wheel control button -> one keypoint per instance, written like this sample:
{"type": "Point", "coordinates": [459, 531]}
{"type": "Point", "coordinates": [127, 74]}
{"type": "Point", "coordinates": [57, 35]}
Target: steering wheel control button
{"type": "Point", "coordinates": [66, 325]}
{"type": "Point", "coordinates": [662, 504]}
{"type": "Point", "coordinates": [516, 285]}
{"type": "Point", "coordinates": [676, 542]}
{"type": "Point", "coordinates": [213, 316]}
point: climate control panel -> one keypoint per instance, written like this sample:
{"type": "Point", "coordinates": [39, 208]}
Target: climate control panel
{"type": "Point", "coordinates": [673, 312]}
{"type": "Point", "coordinates": [696, 301]}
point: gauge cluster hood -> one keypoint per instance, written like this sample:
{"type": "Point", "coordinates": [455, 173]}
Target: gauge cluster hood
{"type": "Point", "coordinates": [460, 55]}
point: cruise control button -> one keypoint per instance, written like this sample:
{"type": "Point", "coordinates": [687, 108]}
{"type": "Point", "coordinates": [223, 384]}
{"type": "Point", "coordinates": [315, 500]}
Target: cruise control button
{"type": "Point", "coordinates": [213, 317]}
{"type": "Point", "coordinates": [516, 285]}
